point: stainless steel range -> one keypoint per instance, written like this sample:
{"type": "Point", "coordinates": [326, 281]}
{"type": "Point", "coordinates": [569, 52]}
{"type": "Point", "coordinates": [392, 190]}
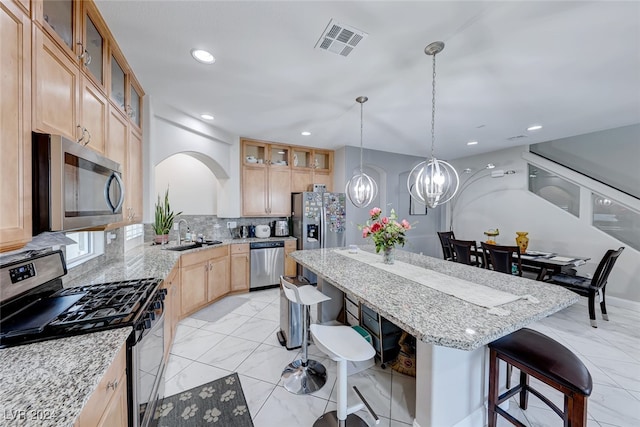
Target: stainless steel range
{"type": "Point", "coordinates": [34, 307]}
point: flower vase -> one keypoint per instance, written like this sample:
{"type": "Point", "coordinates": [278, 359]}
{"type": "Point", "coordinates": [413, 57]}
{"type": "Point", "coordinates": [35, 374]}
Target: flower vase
{"type": "Point", "coordinates": [388, 255]}
{"type": "Point", "coordinates": [522, 241]}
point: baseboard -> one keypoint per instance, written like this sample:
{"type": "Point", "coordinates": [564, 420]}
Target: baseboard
{"type": "Point", "coordinates": [475, 419]}
{"type": "Point", "coordinates": [623, 303]}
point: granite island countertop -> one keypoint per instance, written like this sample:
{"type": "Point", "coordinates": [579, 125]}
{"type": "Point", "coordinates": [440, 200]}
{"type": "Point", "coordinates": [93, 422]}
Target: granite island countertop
{"type": "Point", "coordinates": [48, 383]}
{"type": "Point", "coordinates": [430, 315]}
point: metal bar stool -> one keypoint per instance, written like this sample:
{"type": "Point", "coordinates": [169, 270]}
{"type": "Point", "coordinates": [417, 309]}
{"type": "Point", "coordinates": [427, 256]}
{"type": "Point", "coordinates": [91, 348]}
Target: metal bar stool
{"type": "Point", "coordinates": [343, 344]}
{"type": "Point", "coordinates": [303, 376]}
{"type": "Point", "coordinates": [541, 357]}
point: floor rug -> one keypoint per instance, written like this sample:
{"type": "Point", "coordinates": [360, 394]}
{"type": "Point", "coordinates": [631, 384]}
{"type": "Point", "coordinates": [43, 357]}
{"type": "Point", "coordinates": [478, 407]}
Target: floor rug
{"type": "Point", "coordinates": [218, 403]}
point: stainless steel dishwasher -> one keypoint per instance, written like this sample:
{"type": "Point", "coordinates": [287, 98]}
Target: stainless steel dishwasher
{"type": "Point", "coordinates": [267, 264]}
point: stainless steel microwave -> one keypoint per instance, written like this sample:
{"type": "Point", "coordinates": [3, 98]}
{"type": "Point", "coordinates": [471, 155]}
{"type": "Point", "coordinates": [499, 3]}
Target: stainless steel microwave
{"type": "Point", "coordinates": [73, 186]}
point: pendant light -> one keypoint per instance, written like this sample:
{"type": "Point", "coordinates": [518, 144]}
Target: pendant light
{"type": "Point", "coordinates": [361, 188]}
{"type": "Point", "coordinates": [433, 182]}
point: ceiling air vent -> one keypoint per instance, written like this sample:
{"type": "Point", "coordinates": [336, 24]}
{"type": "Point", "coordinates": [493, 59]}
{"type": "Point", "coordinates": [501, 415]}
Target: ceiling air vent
{"type": "Point", "coordinates": [513, 138]}
{"type": "Point", "coordinates": [340, 39]}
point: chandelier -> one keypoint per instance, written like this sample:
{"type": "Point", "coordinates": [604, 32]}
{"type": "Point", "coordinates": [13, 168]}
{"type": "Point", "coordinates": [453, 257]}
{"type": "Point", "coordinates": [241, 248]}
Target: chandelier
{"type": "Point", "coordinates": [361, 188]}
{"type": "Point", "coordinates": [433, 182]}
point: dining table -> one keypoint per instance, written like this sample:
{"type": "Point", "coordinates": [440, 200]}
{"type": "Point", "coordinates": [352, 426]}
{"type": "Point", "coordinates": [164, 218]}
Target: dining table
{"type": "Point", "coordinates": [453, 310]}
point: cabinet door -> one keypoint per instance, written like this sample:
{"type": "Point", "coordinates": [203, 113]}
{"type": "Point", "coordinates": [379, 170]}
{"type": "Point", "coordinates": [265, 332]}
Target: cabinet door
{"type": "Point", "coordinates": [134, 108]}
{"type": "Point", "coordinates": [93, 116]}
{"type": "Point", "coordinates": [15, 131]}
{"type": "Point", "coordinates": [279, 191]}
{"type": "Point", "coordinates": [133, 208]}
{"type": "Point", "coordinates": [56, 89]}
{"type": "Point", "coordinates": [117, 85]}
{"type": "Point", "coordinates": [93, 43]}
{"type": "Point", "coordinates": [117, 135]}
{"type": "Point", "coordinates": [218, 281]}
{"type": "Point", "coordinates": [254, 191]}
{"type": "Point", "coordinates": [116, 415]}
{"type": "Point", "coordinates": [290, 265]}
{"type": "Point", "coordinates": [301, 180]}
{"type": "Point", "coordinates": [240, 271]}
{"type": "Point", "coordinates": [193, 287]}
{"type": "Point", "coordinates": [58, 18]}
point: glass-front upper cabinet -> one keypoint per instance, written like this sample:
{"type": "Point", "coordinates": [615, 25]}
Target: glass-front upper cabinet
{"type": "Point", "coordinates": [58, 16]}
{"type": "Point", "coordinates": [117, 82]}
{"type": "Point", "coordinates": [134, 109]}
{"type": "Point", "coordinates": [94, 49]}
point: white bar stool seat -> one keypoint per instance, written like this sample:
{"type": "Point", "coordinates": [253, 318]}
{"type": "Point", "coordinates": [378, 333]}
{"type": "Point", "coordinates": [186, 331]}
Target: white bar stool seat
{"type": "Point", "coordinates": [303, 376]}
{"type": "Point", "coordinates": [343, 344]}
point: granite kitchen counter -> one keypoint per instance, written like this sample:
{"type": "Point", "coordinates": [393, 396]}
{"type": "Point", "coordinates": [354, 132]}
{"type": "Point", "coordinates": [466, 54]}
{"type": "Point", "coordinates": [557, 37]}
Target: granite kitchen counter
{"type": "Point", "coordinates": [430, 315]}
{"type": "Point", "coordinates": [48, 383]}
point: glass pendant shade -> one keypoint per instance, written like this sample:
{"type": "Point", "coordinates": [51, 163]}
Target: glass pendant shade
{"type": "Point", "coordinates": [433, 182]}
{"type": "Point", "coordinates": [361, 190]}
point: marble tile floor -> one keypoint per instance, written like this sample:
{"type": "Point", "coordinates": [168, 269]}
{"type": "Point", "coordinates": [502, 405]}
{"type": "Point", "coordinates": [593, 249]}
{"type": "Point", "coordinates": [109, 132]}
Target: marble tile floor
{"type": "Point", "coordinates": [238, 334]}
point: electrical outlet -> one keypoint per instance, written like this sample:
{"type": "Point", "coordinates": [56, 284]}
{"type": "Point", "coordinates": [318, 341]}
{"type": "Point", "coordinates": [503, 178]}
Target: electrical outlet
{"type": "Point", "coordinates": [231, 224]}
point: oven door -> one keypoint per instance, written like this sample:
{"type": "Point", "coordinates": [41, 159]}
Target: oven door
{"type": "Point", "coordinates": [148, 373]}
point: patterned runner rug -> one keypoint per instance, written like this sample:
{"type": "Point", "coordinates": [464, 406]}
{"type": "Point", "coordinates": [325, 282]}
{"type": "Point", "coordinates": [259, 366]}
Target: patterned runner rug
{"type": "Point", "coordinates": [218, 403]}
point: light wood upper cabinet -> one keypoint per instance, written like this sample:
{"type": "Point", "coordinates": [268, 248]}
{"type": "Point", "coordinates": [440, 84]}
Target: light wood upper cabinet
{"type": "Point", "coordinates": [60, 20]}
{"type": "Point", "coordinates": [55, 89]}
{"type": "Point", "coordinates": [117, 86]}
{"type": "Point", "coordinates": [134, 106]}
{"type": "Point", "coordinates": [94, 111]}
{"type": "Point", "coordinates": [15, 131]}
{"type": "Point", "coordinates": [134, 177]}
{"type": "Point", "coordinates": [93, 55]}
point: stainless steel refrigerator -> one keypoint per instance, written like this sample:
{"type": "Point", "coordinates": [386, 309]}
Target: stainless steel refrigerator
{"type": "Point", "coordinates": [319, 221]}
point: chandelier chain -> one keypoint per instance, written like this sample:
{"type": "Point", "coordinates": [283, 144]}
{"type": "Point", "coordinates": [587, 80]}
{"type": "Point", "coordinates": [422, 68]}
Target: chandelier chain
{"type": "Point", "coordinates": [361, 127]}
{"type": "Point", "coordinates": [433, 107]}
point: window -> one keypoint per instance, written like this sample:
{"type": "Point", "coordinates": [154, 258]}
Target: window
{"type": "Point", "coordinates": [89, 245]}
{"type": "Point", "coordinates": [616, 220]}
{"type": "Point", "coordinates": [555, 189]}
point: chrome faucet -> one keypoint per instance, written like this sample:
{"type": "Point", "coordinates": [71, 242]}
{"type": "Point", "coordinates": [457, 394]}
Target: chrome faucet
{"type": "Point", "coordinates": [180, 235]}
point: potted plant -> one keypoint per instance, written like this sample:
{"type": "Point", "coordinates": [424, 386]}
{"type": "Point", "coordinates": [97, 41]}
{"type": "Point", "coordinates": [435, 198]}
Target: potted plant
{"type": "Point", "coordinates": [163, 219]}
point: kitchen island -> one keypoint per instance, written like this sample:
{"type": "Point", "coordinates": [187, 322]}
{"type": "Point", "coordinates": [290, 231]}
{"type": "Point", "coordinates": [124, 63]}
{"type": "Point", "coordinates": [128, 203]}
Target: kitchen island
{"type": "Point", "coordinates": [451, 333]}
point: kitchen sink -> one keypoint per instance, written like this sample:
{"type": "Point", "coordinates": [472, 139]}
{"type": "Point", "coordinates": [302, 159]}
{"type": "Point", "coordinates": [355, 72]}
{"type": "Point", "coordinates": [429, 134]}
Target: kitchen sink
{"type": "Point", "coordinates": [194, 245]}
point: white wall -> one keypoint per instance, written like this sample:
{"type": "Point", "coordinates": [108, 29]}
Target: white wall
{"type": "Point", "coordinates": [506, 203]}
{"type": "Point", "coordinates": [171, 132]}
{"type": "Point", "coordinates": [192, 185]}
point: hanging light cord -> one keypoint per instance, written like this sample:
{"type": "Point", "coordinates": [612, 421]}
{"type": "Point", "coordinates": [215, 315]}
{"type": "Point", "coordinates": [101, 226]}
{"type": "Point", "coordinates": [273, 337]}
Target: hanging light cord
{"type": "Point", "coordinates": [433, 107]}
{"type": "Point", "coordinates": [361, 127]}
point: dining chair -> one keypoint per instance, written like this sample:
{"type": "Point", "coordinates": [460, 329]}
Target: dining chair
{"type": "Point", "coordinates": [464, 251]}
{"type": "Point", "coordinates": [591, 287]}
{"type": "Point", "coordinates": [445, 236]}
{"type": "Point", "coordinates": [501, 258]}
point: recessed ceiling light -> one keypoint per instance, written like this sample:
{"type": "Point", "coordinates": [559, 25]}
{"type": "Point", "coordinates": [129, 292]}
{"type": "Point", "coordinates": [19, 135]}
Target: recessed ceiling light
{"type": "Point", "coordinates": [202, 56]}
{"type": "Point", "coordinates": [472, 143]}
{"type": "Point", "coordinates": [534, 127]}
{"type": "Point", "coordinates": [305, 133]}
{"type": "Point", "coordinates": [206, 116]}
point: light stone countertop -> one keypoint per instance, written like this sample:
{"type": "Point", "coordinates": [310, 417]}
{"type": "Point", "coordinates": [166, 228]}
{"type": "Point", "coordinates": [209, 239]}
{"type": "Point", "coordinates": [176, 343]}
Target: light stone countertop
{"type": "Point", "coordinates": [57, 377]}
{"type": "Point", "coordinates": [428, 314]}
{"type": "Point", "coordinates": [48, 383]}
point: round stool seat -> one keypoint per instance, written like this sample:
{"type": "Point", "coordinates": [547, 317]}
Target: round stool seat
{"type": "Point", "coordinates": [341, 343]}
{"type": "Point", "coordinates": [305, 295]}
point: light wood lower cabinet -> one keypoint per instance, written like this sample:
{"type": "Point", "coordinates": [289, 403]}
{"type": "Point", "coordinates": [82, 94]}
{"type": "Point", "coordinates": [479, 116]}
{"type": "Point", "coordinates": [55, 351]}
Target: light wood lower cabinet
{"type": "Point", "coordinates": [15, 126]}
{"type": "Point", "coordinates": [240, 263]}
{"type": "Point", "coordinates": [107, 406]}
{"type": "Point", "coordinates": [290, 265]}
{"type": "Point", "coordinates": [204, 277]}
{"type": "Point", "coordinates": [171, 307]}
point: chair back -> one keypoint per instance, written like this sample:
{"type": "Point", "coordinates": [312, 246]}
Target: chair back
{"type": "Point", "coordinates": [290, 290]}
{"type": "Point", "coordinates": [604, 268]}
{"type": "Point", "coordinates": [501, 258]}
{"type": "Point", "coordinates": [445, 236]}
{"type": "Point", "coordinates": [462, 251]}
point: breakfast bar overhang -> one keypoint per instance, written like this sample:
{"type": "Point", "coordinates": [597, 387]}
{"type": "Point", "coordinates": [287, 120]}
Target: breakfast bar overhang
{"type": "Point", "coordinates": [452, 309]}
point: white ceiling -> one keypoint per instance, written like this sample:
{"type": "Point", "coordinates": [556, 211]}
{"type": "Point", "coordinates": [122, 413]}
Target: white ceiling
{"type": "Point", "coordinates": [573, 67]}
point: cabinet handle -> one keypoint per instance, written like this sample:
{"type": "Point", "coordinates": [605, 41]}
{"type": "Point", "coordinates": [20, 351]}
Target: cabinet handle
{"type": "Point", "coordinates": [88, 133]}
{"type": "Point", "coordinates": [81, 135]}
{"type": "Point", "coordinates": [112, 385]}
{"type": "Point", "coordinates": [85, 55]}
